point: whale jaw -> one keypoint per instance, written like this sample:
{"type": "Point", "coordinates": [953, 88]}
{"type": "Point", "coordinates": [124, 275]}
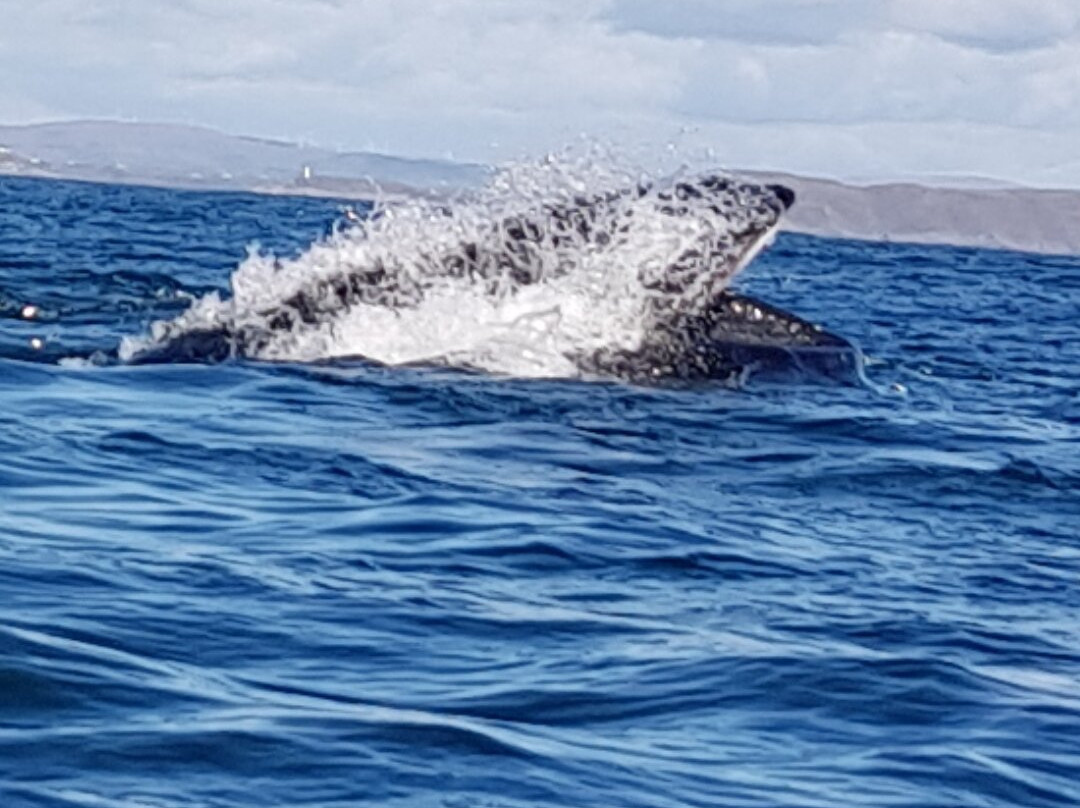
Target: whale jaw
{"type": "Point", "coordinates": [733, 338]}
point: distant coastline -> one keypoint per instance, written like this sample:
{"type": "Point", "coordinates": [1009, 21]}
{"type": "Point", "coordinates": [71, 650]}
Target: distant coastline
{"type": "Point", "coordinates": [1014, 218]}
{"type": "Point", "coordinates": [175, 156]}
{"type": "Point", "coordinates": [197, 158]}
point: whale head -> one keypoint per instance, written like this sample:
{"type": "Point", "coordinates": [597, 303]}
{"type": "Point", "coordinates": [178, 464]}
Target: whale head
{"type": "Point", "coordinates": [739, 219]}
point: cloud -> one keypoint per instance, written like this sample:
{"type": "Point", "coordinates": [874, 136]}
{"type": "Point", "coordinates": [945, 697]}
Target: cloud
{"type": "Point", "coordinates": [364, 69]}
{"type": "Point", "coordinates": [770, 22]}
{"type": "Point", "coordinates": [996, 25]}
{"type": "Point", "coordinates": [492, 79]}
{"type": "Point", "coordinates": [884, 76]}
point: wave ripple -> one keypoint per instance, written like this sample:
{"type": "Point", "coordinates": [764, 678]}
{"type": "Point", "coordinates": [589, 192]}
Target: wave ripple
{"type": "Point", "coordinates": [336, 585]}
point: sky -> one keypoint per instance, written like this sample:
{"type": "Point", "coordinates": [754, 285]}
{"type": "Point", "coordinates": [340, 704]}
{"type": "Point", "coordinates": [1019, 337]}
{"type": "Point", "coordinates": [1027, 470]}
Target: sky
{"type": "Point", "coordinates": [855, 89]}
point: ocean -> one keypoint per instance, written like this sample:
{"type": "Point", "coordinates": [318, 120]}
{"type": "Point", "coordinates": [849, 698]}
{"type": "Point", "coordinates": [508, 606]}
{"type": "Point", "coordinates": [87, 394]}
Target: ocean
{"type": "Point", "coordinates": [336, 583]}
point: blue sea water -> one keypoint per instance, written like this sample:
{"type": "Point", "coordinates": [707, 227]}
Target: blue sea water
{"type": "Point", "coordinates": [334, 585]}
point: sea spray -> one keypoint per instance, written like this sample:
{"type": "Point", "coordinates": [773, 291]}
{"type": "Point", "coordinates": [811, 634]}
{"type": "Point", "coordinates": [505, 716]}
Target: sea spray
{"type": "Point", "coordinates": [551, 261]}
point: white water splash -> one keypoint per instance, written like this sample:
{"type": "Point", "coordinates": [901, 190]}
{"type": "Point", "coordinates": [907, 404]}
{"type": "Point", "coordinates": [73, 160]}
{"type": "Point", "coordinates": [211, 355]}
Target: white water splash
{"type": "Point", "coordinates": [587, 291]}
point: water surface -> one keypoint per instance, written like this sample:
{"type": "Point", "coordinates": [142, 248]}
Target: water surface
{"type": "Point", "coordinates": [334, 585]}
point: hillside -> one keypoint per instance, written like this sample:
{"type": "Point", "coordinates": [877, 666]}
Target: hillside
{"type": "Point", "coordinates": [982, 214]}
{"type": "Point", "coordinates": [196, 157]}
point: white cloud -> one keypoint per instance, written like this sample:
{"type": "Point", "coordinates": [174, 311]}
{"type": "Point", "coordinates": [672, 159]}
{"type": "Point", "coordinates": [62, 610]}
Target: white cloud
{"type": "Point", "coordinates": [886, 76]}
{"type": "Point", "coordinates": [363, 69]}
{"type": "Point", "coordinates": [806, 81]}
{"type": "Point", "coordinates": [994, 25]}
{"type": "Point", "coordinates": [775, 22]}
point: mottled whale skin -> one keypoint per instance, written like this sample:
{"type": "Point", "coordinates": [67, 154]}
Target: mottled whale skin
{"type": "Point", "coordinates": [698, 329]}
{"type": "Point", "coordinates": [733, 337]}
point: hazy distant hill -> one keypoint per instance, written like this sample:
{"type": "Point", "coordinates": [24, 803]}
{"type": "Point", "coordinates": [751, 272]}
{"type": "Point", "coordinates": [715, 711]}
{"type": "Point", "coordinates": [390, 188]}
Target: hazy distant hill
{"type": "Point", "coordinates": [191, 156]}
{"type": "Point", "coordinates": [1032, 219]}
{"type": "Point", "coordinates": [977, 214]}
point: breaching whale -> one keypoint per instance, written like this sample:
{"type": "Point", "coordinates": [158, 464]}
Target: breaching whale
{"type": "Point", "coordinates": [694, 326]}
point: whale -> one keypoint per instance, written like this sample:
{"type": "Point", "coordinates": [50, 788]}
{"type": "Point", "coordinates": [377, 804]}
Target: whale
{"type": "Point", "coordinates": [695, 326]}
